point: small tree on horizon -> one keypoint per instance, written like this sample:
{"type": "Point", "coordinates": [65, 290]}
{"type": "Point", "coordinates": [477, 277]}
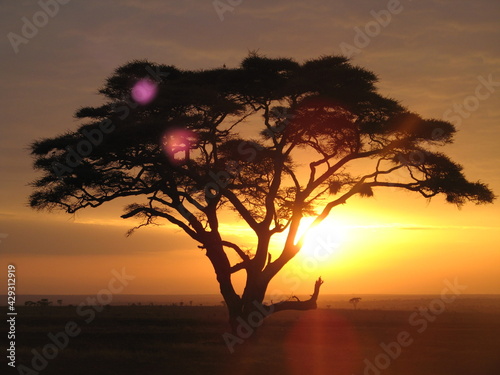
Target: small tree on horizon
{"type": "Point", "coordinates": [354, 302]}
{"type": "Point", "coordinates": [272, 140]}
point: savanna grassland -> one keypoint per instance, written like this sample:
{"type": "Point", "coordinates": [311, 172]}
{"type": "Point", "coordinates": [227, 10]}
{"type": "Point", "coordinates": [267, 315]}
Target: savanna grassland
{"type": "Point", "coordinates": [189, 340]}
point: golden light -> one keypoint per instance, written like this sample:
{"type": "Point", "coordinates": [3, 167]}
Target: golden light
{"type": "Point", "coordinates": [322, 242]}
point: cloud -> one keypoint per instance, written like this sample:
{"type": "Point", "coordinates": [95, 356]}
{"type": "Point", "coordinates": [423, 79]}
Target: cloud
{"type": "Point", "coordinates": [417, 227]}
{"type": "Point", "coordinates": [52, 237]}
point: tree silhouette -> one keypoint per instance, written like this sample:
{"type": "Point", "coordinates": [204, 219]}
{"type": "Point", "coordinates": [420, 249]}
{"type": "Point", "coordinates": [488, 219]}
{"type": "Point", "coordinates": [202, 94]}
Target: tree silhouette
{"type": "Point", "coordinates": [354, 301]}
{"type": "Point", "coordinates": [44, 302]}
{"type": "Point", "coordinates": [190, 146]}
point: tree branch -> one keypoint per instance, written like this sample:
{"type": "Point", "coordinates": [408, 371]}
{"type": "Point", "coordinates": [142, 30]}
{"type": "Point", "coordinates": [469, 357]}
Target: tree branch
{"type": "Point", "coordinates": [314, 183]}
{"type": "Point", "coordinates": [239, 266]}
{"type": "Point", "coordinates": [309, 304]}
{"type": "Point", "coordinates": [164, 215]}
{"type": "Point", "coordinates": [241, 209]}
{"type": "Point", "coordinates": [238, 250]}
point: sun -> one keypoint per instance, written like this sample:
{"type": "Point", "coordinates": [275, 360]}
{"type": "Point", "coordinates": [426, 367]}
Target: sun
{"type": "Point", "coordinates": [322, 242]}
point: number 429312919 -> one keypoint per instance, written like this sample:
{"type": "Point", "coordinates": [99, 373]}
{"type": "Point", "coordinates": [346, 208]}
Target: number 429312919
{"type": "Point", "coordinates": [11, 287]}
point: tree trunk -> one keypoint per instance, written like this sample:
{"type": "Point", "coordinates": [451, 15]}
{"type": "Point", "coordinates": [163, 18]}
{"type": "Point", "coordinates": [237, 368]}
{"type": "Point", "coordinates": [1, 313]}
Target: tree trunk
{"type": "Point", "coordinates": [222, 268]}
{"type": "Point", "coordinates": [247, 313]}
{"type": "Point", "coordinates": [252, 313]}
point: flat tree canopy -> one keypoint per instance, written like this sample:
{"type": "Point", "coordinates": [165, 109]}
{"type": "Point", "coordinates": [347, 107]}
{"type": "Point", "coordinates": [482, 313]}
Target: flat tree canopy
{"type": "Point", "coordinates": [273, 140]}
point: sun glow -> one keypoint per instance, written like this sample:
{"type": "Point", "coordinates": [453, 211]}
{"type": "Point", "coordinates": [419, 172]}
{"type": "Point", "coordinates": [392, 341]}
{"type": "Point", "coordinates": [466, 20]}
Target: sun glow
{"type": "Point", "coordinates": [323, 241]}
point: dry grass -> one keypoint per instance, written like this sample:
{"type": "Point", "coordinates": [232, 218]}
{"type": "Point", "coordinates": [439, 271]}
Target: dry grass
{"type": "Point", "coordinates": [188, 340]}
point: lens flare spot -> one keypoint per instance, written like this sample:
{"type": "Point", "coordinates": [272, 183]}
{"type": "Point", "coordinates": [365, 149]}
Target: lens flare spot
{"type": "Point", "coordinates": [144, 91]}
{"type": "Point", "coordinates": [177, 144]}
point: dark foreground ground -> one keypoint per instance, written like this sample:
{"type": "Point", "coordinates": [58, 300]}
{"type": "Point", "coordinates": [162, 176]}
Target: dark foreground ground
{"type": "Point", "coordinates": [188, 340]}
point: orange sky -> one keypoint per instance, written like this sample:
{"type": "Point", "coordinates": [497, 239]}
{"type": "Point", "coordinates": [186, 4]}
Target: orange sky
{"type": "Point", "coordinates": [431, 56]}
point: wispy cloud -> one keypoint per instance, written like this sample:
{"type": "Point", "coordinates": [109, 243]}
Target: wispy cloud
{"type": "Point", "coordinates": [417, 227]}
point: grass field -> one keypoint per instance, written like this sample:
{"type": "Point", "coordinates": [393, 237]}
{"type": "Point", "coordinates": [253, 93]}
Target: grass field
{"type": "Point", "coordinates": [188, 340]}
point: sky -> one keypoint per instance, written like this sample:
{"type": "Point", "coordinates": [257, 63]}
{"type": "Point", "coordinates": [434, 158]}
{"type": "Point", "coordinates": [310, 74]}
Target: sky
{"type": "Point", "coordinates": [439, 58]}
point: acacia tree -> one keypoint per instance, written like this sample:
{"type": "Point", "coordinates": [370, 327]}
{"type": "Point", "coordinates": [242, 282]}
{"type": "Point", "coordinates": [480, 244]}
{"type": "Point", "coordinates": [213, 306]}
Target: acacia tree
{"type": "Point", "coordinates": [354, 301]}
{"type": "Point", "coordinates": [273, 140]}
